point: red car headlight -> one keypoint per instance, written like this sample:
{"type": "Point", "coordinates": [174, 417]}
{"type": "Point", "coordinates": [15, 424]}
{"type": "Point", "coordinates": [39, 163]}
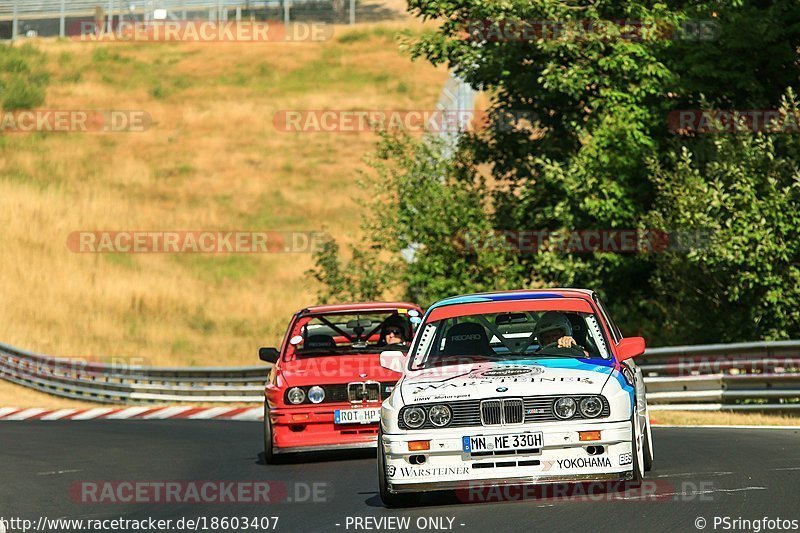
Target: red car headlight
{"type": "Point", "coordinates": [296, 395]}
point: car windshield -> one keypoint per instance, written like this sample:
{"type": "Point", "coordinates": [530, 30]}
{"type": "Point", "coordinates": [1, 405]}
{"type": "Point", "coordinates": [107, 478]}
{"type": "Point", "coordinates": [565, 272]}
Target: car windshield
{"type": "Point", "coordinates": [349, 333]}
{"type": "Point", "coordinates": [510, 336]}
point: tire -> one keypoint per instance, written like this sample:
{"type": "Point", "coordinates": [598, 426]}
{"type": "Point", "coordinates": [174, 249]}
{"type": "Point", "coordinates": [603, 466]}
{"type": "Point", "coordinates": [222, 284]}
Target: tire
{"type": "Point", "coordinates": [648, 444]}
{"type": "Point", "coordinates": [637, 451]}
{"type": "Point", "coordinates": [269, 448]}
{"type": "Point", "coordinates": [389, 499]}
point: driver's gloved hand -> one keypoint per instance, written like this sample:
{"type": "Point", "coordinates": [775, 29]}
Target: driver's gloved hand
{"type": "Point", "coordinates": [566, 342]}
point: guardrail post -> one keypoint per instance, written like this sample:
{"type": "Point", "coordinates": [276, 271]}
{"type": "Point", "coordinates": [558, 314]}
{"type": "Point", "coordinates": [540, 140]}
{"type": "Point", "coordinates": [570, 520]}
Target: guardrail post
{"type": "Point", "coordinates": [14, 19]}
{"type": "Point", "coordinates": [62, 20]}
{"type": "Point", "coordinates": [109, 16]}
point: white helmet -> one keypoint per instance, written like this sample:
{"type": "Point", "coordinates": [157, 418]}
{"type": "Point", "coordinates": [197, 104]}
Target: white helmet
{"type": "Point", "coordinates": [553, 320]}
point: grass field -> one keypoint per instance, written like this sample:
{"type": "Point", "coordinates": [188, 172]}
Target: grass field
{"type": "Point", "coordinates": [211, 160]}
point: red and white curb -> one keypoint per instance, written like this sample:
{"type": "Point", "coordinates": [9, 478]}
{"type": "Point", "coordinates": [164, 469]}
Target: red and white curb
{"type": "Point", "coordinates": [137, 413]}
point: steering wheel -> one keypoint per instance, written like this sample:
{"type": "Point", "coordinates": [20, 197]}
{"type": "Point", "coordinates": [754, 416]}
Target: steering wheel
{"type": "Point", "coordinates": [576, 349]}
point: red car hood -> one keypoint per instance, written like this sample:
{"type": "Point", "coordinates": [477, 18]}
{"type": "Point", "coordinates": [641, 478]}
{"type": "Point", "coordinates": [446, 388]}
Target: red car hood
{"type": "Point", "coordinates": [333, 369]}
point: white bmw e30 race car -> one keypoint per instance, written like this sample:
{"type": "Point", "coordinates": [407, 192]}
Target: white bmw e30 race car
{"type": "Point", "coordinates": [513, 388]}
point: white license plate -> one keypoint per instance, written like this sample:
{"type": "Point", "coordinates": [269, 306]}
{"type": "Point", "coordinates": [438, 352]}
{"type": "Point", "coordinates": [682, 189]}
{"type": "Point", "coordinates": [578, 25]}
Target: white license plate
{"type": "Point", "coordinates": [499, 443]}
{"type": "Point", "coordinates": [356, 416]}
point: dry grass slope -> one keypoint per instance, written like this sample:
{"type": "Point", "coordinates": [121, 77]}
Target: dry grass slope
{"type": "Point", "coordinates": [211, 160]}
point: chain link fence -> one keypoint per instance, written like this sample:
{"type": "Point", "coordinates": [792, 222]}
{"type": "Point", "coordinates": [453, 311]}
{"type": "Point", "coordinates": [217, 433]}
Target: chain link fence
{"type": "Point", "coordinates": [70, 18]}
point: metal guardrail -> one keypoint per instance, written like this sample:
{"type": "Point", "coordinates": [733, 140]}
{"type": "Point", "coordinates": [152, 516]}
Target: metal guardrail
{"type": "Point", "coordinates": [111, 383]}
{"type": "Point", "coordinates": [69, 18]}
{"type": "Point", "coordinates": [742, 376]}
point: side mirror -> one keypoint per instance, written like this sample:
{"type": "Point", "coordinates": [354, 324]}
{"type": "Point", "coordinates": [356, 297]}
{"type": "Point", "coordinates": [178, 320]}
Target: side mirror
{"type": "Point", "coordinates": [269, 355]}
{"type": "Point", "coordinates": [393, 360]}
{"type": "Point", "coordinates": [630, 347]}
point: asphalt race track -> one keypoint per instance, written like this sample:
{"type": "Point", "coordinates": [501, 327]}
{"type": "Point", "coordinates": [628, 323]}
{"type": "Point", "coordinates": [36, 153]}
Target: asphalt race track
{"type": "Point", "coordinates": [699, 473]}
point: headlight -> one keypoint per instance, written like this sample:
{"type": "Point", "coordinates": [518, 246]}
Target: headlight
{"type": "Point", "coordinates": [316, 394]}
{"type": "Point", "coordinates": [296, 395]}
{"type": "Point", "coordinates": [591, 407]}
{"type": "Point", "coordinates": [564, 408]}
{"type": "Point", "coordinates": [440, 415]}
{"type": "Point", "coordinates": [414, 417]}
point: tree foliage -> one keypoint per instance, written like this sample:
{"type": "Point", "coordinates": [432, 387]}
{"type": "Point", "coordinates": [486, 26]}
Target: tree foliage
{"type": "Point", "coordinates": [416, 242]}
{"type": "Point", "coordinates": [594, 151]}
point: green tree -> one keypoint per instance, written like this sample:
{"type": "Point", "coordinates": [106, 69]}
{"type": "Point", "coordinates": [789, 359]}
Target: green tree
{"type": "Point", "coordinates": [739, 278]}
{"type": "Point", "coordinates": [426, 231]}
{"type": "Point", "coordinates": [588, 146]}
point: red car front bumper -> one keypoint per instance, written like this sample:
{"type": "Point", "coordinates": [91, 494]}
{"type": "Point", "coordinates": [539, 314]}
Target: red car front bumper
{"type": "Point", "coordinates": [309, 428]}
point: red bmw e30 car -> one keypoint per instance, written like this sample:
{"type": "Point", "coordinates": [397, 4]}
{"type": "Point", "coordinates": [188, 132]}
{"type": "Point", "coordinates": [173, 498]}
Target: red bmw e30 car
{"type": "Point", "coordinates": [326, 384]}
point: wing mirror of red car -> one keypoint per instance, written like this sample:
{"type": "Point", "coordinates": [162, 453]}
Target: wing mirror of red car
{"type": "Point", "coordinates": [630, 347]}
{"type": "Point", "coordinates": [269, 355]}
{"type": "Point", "coordinates": [393, 360]}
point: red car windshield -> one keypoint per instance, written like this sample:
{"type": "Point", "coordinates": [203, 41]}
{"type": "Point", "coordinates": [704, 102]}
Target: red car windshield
{"type": "Point", "coordinates": [349, 333]}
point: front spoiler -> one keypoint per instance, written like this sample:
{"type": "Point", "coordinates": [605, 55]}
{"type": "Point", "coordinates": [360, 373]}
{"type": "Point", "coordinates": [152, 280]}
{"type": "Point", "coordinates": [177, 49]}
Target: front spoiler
{"type": "Point", "coordinates": [484, 483]}
{"type": "Point", "coordinates": [328, 447]}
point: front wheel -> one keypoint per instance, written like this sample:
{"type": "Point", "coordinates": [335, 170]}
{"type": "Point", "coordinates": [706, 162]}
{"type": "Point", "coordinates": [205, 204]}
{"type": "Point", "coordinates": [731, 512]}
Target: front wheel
{"type": "Point", "coordinates": [391, 499]}
{"type": "Point", "coordinates": [648, 443]}
{"type": "Point", "coordinates": [269, 449]}
{"type": "Point", "coordinates": [637, 450]}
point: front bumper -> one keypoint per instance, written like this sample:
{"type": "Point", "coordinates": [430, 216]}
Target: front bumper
{"type": "Point", "coordinates": [562, 458]}
{"type": "Point", "coordinates": [308, 429]}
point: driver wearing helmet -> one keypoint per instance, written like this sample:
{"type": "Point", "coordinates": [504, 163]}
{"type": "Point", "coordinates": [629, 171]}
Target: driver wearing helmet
{"type": "Point", "coordinates": [393, 332]}
{"type": "Point", "coordinates": [554, 330]}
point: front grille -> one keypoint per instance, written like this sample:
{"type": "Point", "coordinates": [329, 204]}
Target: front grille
{"type": "Point", "coordinates": [360, 391]}
{"type": "Point", "coordinates": [502, 412]}
{"type": "Point", "coordinates": [354, 391]}
{"type": "Point", "coordinates": [468, 413]}
{"type": "Point", "coordinates": [335, 393]}
{"type": "Point", "coordinates": [512, 411]}
{"type": "Point", "coordinates": [491, 413]}
{"type": "Point", "coordinates": [506, 464]}
{"type": "Point", "coordinates": [373, 391]}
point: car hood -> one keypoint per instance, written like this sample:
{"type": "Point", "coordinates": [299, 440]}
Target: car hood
{"type": "Point", "coordinates": [334, 369]}
{"type": "Point", "coordinates": [529, 377]}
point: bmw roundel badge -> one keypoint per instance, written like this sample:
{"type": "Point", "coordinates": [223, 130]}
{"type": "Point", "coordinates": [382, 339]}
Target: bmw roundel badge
{"type": "Point", "coordinates": [502, 389]}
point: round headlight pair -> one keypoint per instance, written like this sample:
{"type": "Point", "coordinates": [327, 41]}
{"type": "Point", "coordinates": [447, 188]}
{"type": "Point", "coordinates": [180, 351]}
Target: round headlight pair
{"type": "Point", "coordinates": [439, 415]}
{"type": "Point", "coordinates": [296, 395]}
{"type": "Point", "coordinates": [590, 407]}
